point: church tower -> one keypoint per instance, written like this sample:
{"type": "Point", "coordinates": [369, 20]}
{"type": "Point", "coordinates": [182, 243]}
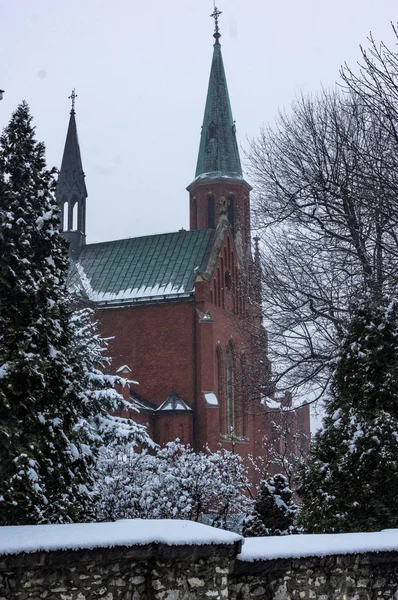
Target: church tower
{"type": "Point", "coordinates": [219, 183]}
{"type": "Point", "coordinates": [71, 192]}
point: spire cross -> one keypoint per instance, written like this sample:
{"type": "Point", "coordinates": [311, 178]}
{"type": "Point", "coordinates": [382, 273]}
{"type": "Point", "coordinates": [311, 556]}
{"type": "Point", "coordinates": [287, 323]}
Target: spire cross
{"type": "Point", "coordinates": [73, 97]}
{"type": "Point", "coordinates": [215, 14]}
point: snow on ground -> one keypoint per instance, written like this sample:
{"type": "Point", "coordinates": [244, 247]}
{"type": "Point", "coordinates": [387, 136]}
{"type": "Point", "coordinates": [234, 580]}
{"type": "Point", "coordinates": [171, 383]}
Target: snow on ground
{"type": "Point", "coordinates": [296, 546]}
{"type": "Point", "coordinates": [133, 532]}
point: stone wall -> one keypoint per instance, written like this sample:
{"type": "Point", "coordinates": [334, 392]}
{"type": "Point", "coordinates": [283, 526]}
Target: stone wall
{"type": "Point", "coordinates": [368, 576]}
{"type": "Point", "coordinates": [155, 571]}
{"type": "Point", "coordinates": [179, 560]}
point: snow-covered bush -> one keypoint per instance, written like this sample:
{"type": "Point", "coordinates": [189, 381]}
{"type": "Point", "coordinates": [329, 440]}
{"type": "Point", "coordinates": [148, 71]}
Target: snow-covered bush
{"type": "Point", "coordinates": [174, 483]}
{"type": "Point", "coordinates": [274, 511]}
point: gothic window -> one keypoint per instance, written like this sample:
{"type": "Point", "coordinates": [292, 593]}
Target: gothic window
{"type": "Point", "coordinates": [74, 215]}
{"type": "Point", "coordinates": [194, 214]}
{"type": "Point", "coordinates": [215, 292]}
{"type": "Point", "coordinates": [246, 384]}
{"type": "Point", "coordinates": [212, 130]}
{"type": "Point", "coordinates": [222, 284]}
{"type": "Point", "coordinates": [65, 217]}
{"type": "Point", "coordinates": [230, 385]}
{"type": "Point", "coordinates": [220, 388]}
{"type": "Point", "coordinates": [231, 213]}
{"type": "Point", "coordinates": [228, 282]}
{"type": "Point", "coordinates": [210, 212]}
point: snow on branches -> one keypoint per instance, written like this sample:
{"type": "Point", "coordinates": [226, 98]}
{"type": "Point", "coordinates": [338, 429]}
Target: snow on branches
{"type": "Point", "coordinates": [173, 483]}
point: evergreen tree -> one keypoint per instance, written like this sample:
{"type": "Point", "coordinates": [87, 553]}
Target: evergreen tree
{"type": "Point", "coordinates": [350, 481]}
{"type": "Point", "coordinates": [101, 424]}
{"type": "Point", "coordinates": [274, 511]}
{"type": "Point", "coordinates": [45, 465]}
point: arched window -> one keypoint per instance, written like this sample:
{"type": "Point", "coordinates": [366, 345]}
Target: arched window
{"type": "Point", "coordinates": [210, 212]}
{"type": "Point", "coordinates": [228, 280]}
{"type": "Point", "coordinates": [246, 386]}
{"type": "Point", "coordinates": [194, 214]}
{"type": "Point", "coordinates": [74, 217]}
{"type": "Point", "coordinates": [230, 385]}
{"type": "Point", "coordinates": [219, 286]}
{"type": "Point", "coordinates": [222, 298]}
{"type": "Point", "coordinates": [220, 389]}
{"type": "Point", "coordinates": [64, 224]}
{"type": "Point", "coordinates": [212, 131]}
{"type": "Point", "coordinates": [215, 292]}
{"type": "Point", "coordinates": [231, 213]}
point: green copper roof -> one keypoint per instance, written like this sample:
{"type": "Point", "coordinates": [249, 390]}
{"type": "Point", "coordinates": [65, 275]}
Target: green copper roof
{"type": "Point", "coordinates": [218, 150]}
{"type": "Point", "coordinates": [141, 268]}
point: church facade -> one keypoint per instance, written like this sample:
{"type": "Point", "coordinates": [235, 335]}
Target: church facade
{"type": "Point", "coordinates": [183, 309]}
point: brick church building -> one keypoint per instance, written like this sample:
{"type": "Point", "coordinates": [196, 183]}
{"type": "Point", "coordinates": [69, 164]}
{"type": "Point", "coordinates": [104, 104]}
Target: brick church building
{"type": "Point", "coordinates": [183, 308]}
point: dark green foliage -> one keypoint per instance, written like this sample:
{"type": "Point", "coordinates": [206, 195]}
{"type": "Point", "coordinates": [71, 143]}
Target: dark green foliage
{"type": "Point", "coordinates": [274, 511]}
{"type": "Point", "coordinates": [350, 481]}
{"type": "Point", "coordinates": [44, 466]}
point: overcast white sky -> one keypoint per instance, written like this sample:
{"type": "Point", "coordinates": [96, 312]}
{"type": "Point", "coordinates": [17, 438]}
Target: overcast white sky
{"type": "Point", "coordinates": [141, 71]}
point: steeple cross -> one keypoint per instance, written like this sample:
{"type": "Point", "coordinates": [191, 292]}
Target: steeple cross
{"type": "Point", "coordinates": [215, 14]}
{"type": "Point", "coordinates": [73, 97]}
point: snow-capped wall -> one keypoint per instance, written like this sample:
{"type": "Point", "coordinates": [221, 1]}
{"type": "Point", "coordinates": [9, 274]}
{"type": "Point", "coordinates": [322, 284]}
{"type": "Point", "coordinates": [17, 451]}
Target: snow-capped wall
{"type": "Point", "coordinates": [181, 560]}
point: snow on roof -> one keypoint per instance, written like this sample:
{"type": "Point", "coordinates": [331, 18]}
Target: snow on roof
{"type": "Point", "coordinates": [270, 403]}
{"type": "Point", "coordinates": [143, 269]}
{"type": "Point", "coordinates": [211, 399]}
{"type": "Point", "coordinates": [297, 546]}
{"type": "Point", "coordinates": [174, 402]}
{"type": "Point", "coordinates": [134, 532]}
{"type": "Point", "coordinates": [142, 292]}
{"type": "Point", "coordinates": [123, 368]}
{"type": "Point", "coordinates": [141, 404]}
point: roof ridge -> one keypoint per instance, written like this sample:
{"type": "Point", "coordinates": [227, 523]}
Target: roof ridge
{"type": "Point", "coordinates": [138, 237]}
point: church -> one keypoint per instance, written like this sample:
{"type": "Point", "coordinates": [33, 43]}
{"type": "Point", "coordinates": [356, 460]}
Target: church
{"type": "Point", "coordinates": [183, 309]}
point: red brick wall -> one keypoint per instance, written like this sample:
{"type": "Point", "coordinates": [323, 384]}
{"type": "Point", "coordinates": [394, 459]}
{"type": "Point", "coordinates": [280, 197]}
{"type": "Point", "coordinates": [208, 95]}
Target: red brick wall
{"type": "Point", "coordinates": [156, 342]}
{"type": "Point", "coordinates": [234, 322]}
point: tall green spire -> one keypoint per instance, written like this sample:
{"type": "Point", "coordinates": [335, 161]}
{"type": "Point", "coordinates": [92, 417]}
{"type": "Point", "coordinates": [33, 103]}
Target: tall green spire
{"type": "Point", "coordinates": [218, 150]}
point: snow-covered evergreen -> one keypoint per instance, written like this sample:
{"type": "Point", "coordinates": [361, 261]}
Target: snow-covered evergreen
{"type": "Point", "coordinates": [44, 467]}
{"type": "Point", "coordinates": [274, 511]}
{"type": "Point", "coordinates": [53, 397]}
{"type": "Point", "coordinates": [100, 425]}
{"type": "Point", "coordinates": [172, 483]}
{"type": "Point", "coordinates": [350, 482]}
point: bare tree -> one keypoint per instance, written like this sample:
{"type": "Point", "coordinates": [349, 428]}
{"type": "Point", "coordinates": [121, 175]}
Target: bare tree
{"type": "Point", "coordinates": [326, 206]}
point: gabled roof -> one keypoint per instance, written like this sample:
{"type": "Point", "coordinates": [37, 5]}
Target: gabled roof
{"type": "Point", "coordinates": [174, 403]}
{"type": "Point", "coordinates": [218, 151]}
{"type": "Point", "coordinates": [143, 268]}
{"type": "Point", "coordinates": [140, 404]}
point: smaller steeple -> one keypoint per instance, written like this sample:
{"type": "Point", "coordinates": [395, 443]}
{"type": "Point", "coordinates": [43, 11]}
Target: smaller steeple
{"type": "Point", "coordinates": [71, 192]}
